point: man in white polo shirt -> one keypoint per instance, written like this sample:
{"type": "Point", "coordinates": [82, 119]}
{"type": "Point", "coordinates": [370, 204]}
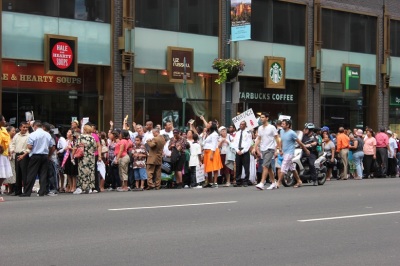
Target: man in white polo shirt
{"type": "Point", "coordinates": [265, 147]}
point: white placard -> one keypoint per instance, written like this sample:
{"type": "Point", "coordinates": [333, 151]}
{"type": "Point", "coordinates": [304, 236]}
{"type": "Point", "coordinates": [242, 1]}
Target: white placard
{"type": "Point", "coordinates": [247, 116]}
{"type": "Point", "coordinates": [84, 121]}
{"type": "Point", "coordinates": [284, 117]}
{"type": "Point", "coordinates": [200, 173]}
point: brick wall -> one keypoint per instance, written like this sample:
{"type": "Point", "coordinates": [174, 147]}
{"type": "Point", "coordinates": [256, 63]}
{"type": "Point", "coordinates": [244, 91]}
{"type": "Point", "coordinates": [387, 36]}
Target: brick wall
{"type": "Point", "coordinates": [122, 85]}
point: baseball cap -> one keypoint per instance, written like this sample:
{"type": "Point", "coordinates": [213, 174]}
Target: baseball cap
{"type": "Point", "coordinates": [359, 132]}
{"type": "Point", "coordinates": [389, 132]}
{"type": "Point", "coordinates": [176, 131]}
{"type": "Point", "coordinates": [221, 128]}
{"type": "Point", "coordinates": [325, 128]}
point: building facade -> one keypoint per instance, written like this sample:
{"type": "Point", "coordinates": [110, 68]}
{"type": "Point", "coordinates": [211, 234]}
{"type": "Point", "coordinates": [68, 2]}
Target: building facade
{"type": "Point", "coordinates": [341, 61]}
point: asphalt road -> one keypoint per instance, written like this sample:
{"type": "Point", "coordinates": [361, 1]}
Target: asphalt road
{"type": "Point", "coordinates": [238, 226]}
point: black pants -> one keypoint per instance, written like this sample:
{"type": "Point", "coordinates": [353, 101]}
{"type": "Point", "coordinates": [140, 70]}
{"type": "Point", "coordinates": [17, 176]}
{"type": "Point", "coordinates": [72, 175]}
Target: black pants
{"type": "Point", "coordinates": [21, 171]}
{"type": "Point", "coordinates": [242, 161]}
{"type": "Point", "coordinates": [96, 175]}
{"type": "Point", "coordinates": [52, 175]}
{"type": "Point", "coordinates": [368, 162]}
{"type": "Point", "coordinates": [392, 167]}
{"type": "Point", "coordinates": [382, 159]}
{"type": "Point", "coordinates": [38, 165]}
{"type": "Point", "coordinates": [311, 163]}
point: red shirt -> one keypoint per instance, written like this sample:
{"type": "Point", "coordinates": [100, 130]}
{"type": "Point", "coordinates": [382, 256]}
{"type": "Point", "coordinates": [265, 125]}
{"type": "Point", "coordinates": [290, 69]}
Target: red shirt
{"type": "Point", "coordinates": [118, 147]}
{"type": "Point", "coordinates": [382, 140]}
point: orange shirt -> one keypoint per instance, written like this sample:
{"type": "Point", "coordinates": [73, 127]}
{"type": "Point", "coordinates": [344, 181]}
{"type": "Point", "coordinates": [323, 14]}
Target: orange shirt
{"type": "Point", "coordinates": [342, 142]}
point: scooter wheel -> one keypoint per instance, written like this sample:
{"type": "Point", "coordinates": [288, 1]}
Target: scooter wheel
{"type": "Point", "coordinates": [288, 179]}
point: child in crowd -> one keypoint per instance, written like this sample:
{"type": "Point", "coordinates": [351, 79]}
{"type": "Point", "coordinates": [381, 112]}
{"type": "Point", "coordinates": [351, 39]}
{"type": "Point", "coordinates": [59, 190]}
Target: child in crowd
{"type": "Point", "coordinates": [139, 153]}
{"type": "Point", "coordinates": [195, 159]}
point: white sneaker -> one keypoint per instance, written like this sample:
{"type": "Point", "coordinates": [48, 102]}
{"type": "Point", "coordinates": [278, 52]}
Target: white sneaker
{"type": "Point", "coordinates": [199, 186]}
{"type": "Point", "coordinates": [77, 191]}
{"type": "Point", "coordinates": [272, 186]}
{"type": "Point", "coordinates": [260, 186]}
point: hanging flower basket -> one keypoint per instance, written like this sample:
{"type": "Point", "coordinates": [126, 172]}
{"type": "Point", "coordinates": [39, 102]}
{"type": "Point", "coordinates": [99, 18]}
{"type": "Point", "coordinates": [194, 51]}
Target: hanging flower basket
{"type": "Point", "coordinates": [228, 69]}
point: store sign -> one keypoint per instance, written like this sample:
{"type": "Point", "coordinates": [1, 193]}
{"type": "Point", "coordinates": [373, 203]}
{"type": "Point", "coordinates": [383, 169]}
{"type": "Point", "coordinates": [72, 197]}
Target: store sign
{"type": "Point", "coordinates": [395, 96]}
{"type": "Point", "coordinates": [31, 75]}
{"type": "Point", "coordinates": [266, 96]}
{"type": "Point", "coordinates": [240, 20]}
{"type": "Point", "coordinates": [180, 62]}
{"type": "Point", "coordinates": [351, 77]}
{"type": "Point", "coordinates": [274, 72]}
{"type": "Point", "coordinates": [60, 55]}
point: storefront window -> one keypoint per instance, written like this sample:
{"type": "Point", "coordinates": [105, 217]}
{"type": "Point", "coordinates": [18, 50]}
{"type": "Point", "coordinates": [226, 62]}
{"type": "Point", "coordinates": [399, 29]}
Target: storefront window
{"type": "Point", "coordinates": [193, 16]}
{"type": "Point", "coordinates": [348, 32]}
{"type": "Point", "coordinates": [53, 99]}
{"type": "Point", "coordinates": [158, 100]}
{"type": "Point", "coordinates": [342, 109]}
{"type": "Point", "coordinates": [278, 22]}
{"type": "Point", "coordinates": [275, 102]}
{"type": "Point", "coordinates": [395, 37]}
{"type": "Point", "coordinates": [89, 10]}
{"type": "Point", "coordinates": [394, 110]}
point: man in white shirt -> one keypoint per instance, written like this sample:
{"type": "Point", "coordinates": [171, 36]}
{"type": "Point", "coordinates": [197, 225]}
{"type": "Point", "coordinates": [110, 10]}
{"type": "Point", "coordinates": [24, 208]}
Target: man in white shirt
{"type": "Point", "coordinates": [168, 129]}
{"type": "Point", "coordinates": [265, 147]}
{"type": "Point", "coordinates": [149, 132]}
{"type": "Point", "coordinates": [242, 143]}
{"type": "Point", "coordinates": [19, 146]}
{"type": "Point", "coordinates": [392, 151]}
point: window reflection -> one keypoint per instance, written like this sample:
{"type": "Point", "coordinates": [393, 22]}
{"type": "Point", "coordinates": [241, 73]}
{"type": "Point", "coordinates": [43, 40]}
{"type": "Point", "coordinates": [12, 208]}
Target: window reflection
{"type": "Point", "coordinates": [89, 10]}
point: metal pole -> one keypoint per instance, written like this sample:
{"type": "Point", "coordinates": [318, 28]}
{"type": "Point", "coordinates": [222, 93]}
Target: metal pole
{"type": "Point", "coordinates": [184, 94]}
{"type": "Point", "coordinates": [228, 85]}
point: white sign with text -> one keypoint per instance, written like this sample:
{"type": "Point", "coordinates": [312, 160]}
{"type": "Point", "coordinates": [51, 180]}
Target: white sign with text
{"type": "Point", "coordinates": [247, 116]}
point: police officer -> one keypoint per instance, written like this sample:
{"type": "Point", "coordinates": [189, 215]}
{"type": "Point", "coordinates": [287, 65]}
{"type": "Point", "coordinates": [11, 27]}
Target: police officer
{"type": "Point", "coordinates": [310, 140]}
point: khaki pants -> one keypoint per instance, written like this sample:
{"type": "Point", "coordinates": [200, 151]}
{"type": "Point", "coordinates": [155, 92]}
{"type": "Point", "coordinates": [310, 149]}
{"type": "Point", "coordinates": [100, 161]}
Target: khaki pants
{"type": "Point", "coordinates": [123, 168]}
{"type": "Point", "coordinates": [344, 155]}
{"type": "Point", "coordinates": [153, 173]}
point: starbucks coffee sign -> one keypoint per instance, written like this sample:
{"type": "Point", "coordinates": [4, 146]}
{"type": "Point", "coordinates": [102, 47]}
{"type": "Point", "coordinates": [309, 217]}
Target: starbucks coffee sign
{"type": "Point", "coordinates": [274, 72]}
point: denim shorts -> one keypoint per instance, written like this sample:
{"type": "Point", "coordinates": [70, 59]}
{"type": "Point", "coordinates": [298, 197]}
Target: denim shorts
{"type": "Point", "coordinates": [140, 173]}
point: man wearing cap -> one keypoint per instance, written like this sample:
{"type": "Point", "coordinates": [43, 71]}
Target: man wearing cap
{"type": "Point", "coordinates": [382, 148]}
{"type": "Point", "coordinates": [392, 151]}
{"type": "Point", "coordinates": [76, 131]}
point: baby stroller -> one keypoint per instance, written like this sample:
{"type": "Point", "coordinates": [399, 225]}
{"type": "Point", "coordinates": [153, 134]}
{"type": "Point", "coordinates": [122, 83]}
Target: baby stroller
{"type": "Point", "coordinates": [167, 175]}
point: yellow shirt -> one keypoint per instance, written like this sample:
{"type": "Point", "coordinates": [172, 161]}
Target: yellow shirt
{"type": "Point", "coordinates": [4, 140]}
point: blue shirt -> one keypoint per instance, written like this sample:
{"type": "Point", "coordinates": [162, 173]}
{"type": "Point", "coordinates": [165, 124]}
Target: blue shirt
{"type": "Point", "coordinates": [288, 139]}
{"type": "Point", "coordinates": [41, 142]}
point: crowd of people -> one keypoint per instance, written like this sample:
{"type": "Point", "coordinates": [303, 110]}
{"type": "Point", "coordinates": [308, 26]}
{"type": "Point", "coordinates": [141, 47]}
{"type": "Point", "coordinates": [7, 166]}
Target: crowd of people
{"type": "Point", "coordinates": [83, 160]}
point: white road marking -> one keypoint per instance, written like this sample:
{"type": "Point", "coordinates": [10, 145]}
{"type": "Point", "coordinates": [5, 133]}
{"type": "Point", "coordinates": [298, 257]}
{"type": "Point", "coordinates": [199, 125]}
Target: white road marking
{"type": "Point", "coordinates": [173, 206]}
{"type": "Point", "coordinates": [348, 217]}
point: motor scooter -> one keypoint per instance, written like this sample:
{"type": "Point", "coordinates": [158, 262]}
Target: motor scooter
{"type": "Point", "coordinates": [303, 169]}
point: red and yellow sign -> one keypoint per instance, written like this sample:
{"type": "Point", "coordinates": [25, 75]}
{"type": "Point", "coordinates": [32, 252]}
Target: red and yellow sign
{"type": "Point", "coordinates": [60, 55]}
{"type": "Point", "coordinates": [31, 75]}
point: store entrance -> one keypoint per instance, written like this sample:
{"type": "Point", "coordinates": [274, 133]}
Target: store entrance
{"type": "Point", "coordinates": [340, 109]}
